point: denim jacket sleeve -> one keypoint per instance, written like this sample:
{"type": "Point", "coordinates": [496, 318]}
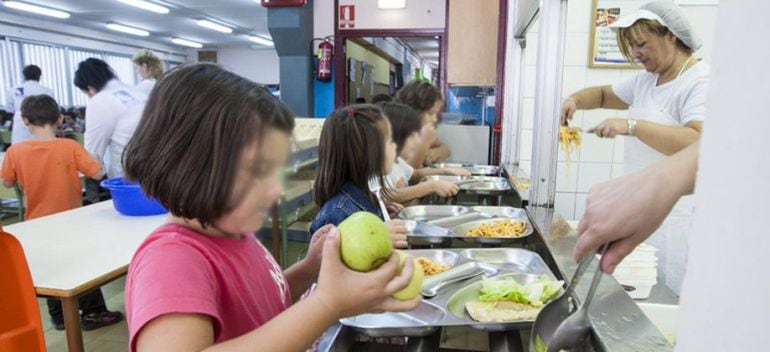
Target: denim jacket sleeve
{"type": "Point", "coordinates": [330, 214]}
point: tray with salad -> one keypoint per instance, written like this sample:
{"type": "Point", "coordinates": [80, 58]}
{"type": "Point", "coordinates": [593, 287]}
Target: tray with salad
{"type": "Point", "coordinates": [491, 289]}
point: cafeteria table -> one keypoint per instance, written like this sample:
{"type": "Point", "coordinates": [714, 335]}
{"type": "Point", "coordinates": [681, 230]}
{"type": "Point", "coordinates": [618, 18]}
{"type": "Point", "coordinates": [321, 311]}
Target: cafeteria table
{"type": "Point", "coordinates": [76, 251]}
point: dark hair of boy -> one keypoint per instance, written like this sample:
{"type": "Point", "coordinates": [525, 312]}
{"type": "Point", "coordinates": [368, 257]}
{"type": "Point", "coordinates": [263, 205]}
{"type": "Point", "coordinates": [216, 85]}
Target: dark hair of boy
{"type": "Point", "coordinates": [31, 73]}
{"type": "Point", "coordinates": [40, 110]}
{"type": "Point", "coordinates": [419, 95]}
{"type": "Point", "coordinates": [188, 145]}
{"type": "Point", "coordinates": [360, 100]}
{"type": "Point", "coordinates": [93, 73]}
{"type": "Point", "coordinates": [351, 149]}
{"type": "Point", "coordinates": [404, 121]}
{"type": "Point", "coordinates": [381, 98]}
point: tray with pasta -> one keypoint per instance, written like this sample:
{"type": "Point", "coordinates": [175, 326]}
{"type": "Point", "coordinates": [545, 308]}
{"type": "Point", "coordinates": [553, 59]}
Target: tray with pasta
{"type": "Point", "coordinates": [497, 230]}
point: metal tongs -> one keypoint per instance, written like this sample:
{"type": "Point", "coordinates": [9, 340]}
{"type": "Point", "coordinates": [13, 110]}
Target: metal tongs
{"type": "Point", "coordinates": [559, 325]}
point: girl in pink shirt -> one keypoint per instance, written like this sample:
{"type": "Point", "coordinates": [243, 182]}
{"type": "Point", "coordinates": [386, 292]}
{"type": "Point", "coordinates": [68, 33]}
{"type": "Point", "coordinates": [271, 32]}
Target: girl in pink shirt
{"type": "Point", "coordinates": [209, 147]}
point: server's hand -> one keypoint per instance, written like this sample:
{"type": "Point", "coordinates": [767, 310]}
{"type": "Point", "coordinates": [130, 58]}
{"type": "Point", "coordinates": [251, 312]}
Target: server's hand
{"type": "Point", "coordinates": [610, 128]}
{"type": "Point", "coordinates": [568, 108]}
{"type": "Point", "coordinates": [627, 210]}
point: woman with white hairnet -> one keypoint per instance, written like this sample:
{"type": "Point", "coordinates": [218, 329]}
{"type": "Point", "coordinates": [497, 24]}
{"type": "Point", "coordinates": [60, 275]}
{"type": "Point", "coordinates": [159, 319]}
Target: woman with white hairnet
{"type": "Point", "coordinates": [666, 106]}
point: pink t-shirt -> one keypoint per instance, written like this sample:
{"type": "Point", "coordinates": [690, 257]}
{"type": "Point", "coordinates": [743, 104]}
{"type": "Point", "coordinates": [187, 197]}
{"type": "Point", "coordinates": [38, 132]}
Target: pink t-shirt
{"type": "Point", "coordinates": [236, 282]}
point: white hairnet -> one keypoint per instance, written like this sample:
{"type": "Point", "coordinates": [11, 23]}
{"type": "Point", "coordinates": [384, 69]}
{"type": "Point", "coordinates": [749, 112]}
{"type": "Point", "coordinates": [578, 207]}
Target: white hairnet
{"type": "Point", "coordinates": [675, 20]}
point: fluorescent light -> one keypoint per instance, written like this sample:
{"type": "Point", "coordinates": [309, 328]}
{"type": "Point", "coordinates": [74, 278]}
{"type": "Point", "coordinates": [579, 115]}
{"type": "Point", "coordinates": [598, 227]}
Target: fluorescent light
{"type": "Point", "coordinates": [215, 26]}
{"type": "Point", "coordinates": [391, 4]}
{"type": "Point", "coordinates": [260, 40]}
{"type": "Point", "coordinates": [146, 5]}
{"type": "Point", "coordinates": [40, 10]}
{"type": "Point", "coordinates": [126, 29]}
{"type": "Point", "coordinates": [186, 42]}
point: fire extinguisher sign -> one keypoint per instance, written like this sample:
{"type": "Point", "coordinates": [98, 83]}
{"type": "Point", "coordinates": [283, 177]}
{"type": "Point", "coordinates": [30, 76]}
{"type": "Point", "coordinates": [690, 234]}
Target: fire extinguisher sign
{"type": "Point", "coordinates": [347, 16]}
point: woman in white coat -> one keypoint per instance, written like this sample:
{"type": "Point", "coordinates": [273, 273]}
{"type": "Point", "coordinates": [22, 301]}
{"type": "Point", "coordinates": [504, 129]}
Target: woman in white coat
{"type": "Point", "coordinates": [666, 108]}
{"type": "Point", "coordinates": [149, 67]}
{"type": "Point", "coordinates": [112, 113]}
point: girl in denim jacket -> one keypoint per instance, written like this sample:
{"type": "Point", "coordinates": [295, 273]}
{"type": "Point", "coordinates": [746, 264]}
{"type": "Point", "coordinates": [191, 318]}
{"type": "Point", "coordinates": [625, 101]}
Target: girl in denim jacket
{"type": "Point", "coordinates": [356, 146]}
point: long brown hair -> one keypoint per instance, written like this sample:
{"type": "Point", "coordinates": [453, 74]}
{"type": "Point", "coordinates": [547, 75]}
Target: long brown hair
{"type": "Point", "coordinates": [197, 122]}
{"type": "Point", "coordinates": [351, 149]}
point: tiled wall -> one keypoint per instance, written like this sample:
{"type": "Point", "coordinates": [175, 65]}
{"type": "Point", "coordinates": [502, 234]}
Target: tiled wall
{"type": "Point", "coordinates": [597, 160]}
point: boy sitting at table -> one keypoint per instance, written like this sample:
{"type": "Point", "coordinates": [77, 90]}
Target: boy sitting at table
{"type": "Point", "coordinates": [46, 169]}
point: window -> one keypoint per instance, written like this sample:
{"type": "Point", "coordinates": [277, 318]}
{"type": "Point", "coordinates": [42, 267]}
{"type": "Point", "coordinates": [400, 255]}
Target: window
{"type": "Point", "coordinates": [51, 61]}
{"type": "Point", "coordinates": [123, 67]}
{"type": "Point", "coordinates": [10, 70]}
{"type": "Point", "coordinates": [58, 64]}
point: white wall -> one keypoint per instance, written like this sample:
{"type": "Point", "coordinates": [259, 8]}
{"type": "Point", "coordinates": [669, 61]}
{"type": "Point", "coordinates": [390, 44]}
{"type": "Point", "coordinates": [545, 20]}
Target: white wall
{"type": "Point", "coordinates": [417, 14]}
{"type": "Point", "coordinates": [258, 65]}
{"type": "Point", "coordinates": [597, 160]}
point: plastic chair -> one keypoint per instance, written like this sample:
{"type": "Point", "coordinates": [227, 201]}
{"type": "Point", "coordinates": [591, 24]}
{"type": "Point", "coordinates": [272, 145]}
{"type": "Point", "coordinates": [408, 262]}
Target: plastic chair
{"type": "Point", "coordinates": [20, 325]}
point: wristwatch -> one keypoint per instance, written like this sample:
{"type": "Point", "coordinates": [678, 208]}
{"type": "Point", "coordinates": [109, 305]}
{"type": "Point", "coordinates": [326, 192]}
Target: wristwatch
{"type": "Point", "coordinates": [631, 124]}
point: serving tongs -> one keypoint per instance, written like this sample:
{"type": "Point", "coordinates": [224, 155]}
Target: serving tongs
{"type": "Point", "coordinates": [559, 325]}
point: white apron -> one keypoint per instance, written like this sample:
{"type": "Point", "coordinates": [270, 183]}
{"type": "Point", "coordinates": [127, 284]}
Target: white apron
{"type": "Point", "coordinates": [671, 238]}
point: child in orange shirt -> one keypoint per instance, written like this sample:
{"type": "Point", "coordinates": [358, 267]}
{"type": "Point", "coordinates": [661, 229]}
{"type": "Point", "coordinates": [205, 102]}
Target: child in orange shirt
{"type": "Point", "coordinates": [46, 168]}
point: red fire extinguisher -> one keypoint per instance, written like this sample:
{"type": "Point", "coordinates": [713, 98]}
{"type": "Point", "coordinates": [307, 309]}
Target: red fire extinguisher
{"type": "Point", "coordinates": [325, 51]}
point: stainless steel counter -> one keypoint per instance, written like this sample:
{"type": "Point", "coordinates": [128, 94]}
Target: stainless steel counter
{"type": "Point", "coordinates": [618, 323]}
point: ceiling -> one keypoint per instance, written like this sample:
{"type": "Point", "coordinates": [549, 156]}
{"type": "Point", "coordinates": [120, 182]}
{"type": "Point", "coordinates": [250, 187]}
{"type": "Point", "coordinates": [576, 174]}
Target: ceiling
{"type": "Point", "coordinates": [244, 16]}
{"type": "Point", "coordinates": [426, 47]}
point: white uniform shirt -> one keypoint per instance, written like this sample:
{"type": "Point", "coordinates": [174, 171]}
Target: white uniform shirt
{"type": "Point", "coordinates": [400, 174]}
{"type": "Point", "coordinates": [16, 96]}
{"type": "Point", "coordinates": [684, 98]}
{"type": "Point", "coordinates": [111, 119]}
{"type": "Point", "coordinates": [145, 86]}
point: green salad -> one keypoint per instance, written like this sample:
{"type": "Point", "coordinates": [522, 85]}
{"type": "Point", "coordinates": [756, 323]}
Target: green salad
{"type": "Point", "coordinates": [535, 293]}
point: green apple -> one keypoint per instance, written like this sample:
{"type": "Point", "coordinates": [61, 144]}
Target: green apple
{"type": "Point", "coordinates": [365, 241]}
{"type": "Point", "coordinates": [415, 284]}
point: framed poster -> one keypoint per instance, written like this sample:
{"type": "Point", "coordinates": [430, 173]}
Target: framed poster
{"type": "Point", "coordinates": [604, 50]}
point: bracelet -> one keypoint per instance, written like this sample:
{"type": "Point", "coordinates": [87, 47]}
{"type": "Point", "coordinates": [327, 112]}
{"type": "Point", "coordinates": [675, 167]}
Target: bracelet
{"type": "Point", "coordinates": [631, 124]}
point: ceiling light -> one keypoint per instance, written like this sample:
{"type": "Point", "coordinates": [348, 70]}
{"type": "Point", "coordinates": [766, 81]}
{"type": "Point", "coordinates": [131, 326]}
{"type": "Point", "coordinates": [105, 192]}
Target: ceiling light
{"type": "Point", "coordinates": [146, 5]}
{"type": "Point", "coordinates": [391, 4]}
{"type": "Point", "coordinates": [40, 10]}
{"type": "Point", "coordinates": [215, 26]}
{"type": "Point", "coordinates": [127, 29]}
{"type": "Point", "coordinates": [260, 40]}
{"type": "Point", "coordinates": [186, 42]}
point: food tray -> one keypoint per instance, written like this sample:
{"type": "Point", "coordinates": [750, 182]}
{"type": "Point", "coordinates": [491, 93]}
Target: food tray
{"type": "Point", "coordinates": [445, 308]}
{"type": "Point", "coordinates": [456, 225]}
{"type": "Point", "coordinates": [474, 169]}
{"type": "Point", "coordinates": [507, 212]}
{"type": "Point", "coordinates": [460, 231]}
{"type": "Point", "coordinates": [470, 293]}
{"type": "Point", "coordinates": [483, 185]}
{"type": "Point", "coordinates": [431, 212]}
{"type": "Point", "coordinates": [477, 169]}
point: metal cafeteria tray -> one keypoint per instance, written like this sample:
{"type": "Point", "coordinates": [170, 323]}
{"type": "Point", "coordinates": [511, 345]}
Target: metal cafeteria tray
{"type": "Point", "coordinates": [474, 169]}
{"type": "Point", "coordinates": [460, 231]}
{"type": "Point", "coordinates": [508, 212]}
{"type": "Point", "coordinates": [474, 184]}
{"type": "Point", "coordinates": [431, 212]}
{"type": "Point", "coordinates": [470, 293]}
{"type": "Point", "coordinates": [437, 311]}
{"type": "Point", "coordinates": [477, 169]}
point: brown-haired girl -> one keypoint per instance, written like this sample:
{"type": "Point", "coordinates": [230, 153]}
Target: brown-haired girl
{"type": "Point", "coordinates": [356, 148]}
{"type": "Point", "coordinates": [209, 147]}
{"type": "Point", "coordinates": [427, 100]}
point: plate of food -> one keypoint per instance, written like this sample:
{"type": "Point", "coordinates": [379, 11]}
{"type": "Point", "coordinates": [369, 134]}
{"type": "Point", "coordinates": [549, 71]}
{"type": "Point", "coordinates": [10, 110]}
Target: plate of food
{"type": "Point", "coordinates": [494, 231]}
{"type": "Point", "coordinates": [504, 302]}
